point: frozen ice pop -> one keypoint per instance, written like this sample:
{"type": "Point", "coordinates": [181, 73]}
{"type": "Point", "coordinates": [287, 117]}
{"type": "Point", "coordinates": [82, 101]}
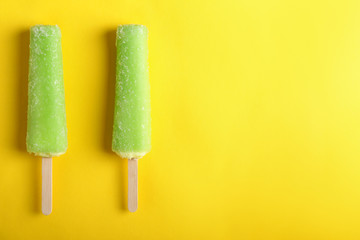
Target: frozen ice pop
{"type": "Point", "coordinates": [46, 132]}
{"type": "Point", "coordinates": [131, 129]}
{"type": "Point", "coordinates": [46, 126]}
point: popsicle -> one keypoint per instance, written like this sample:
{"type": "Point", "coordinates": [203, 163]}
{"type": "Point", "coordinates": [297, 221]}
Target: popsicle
{"type": "Point", "coordinates": [46, 120]}
{"type": "Point", "coordinates": [131, 129]}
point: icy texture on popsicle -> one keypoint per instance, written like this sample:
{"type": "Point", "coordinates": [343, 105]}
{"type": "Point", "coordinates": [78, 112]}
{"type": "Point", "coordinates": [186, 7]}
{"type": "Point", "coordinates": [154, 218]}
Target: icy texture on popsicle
{"type": "Point", "coordinates": [131, 130]}
{"type": "Point", "coordinates": [46, 126]}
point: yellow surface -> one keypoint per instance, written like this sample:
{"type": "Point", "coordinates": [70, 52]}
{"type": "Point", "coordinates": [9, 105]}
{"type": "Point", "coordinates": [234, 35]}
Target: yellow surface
{"type": "Point", "coordinates": [255, 109]}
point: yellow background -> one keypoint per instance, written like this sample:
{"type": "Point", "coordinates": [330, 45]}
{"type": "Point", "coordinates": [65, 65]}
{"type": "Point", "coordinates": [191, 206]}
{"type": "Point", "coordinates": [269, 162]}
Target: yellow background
{"type": "Point", "coordinates": [255, 122]}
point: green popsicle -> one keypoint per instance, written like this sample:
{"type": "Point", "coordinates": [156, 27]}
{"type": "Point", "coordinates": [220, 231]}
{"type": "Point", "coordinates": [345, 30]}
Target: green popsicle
{"type": "Point", "coordinates": [46, 128]}
{"type": "Point", "coordinates": [131, 129]}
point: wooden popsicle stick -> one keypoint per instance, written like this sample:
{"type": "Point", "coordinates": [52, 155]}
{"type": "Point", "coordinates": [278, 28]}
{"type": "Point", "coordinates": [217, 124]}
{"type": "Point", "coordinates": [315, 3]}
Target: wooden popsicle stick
{"type": "Point", "coordinates": [132, 184]}
{"type": "Point", "coordinates": [46, 194]}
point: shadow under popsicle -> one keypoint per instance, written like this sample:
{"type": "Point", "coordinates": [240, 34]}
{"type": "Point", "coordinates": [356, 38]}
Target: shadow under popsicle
{"type": "Point", "coordinates": [23, 39]}
{"type": "Point", "coordinates": [109, 116]}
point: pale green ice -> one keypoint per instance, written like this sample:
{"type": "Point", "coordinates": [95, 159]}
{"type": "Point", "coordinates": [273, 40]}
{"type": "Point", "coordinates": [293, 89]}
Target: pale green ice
{"type": "Point", "coordinates": [46, 126]}
{"type": "Point", "coordinates": [132, 129]}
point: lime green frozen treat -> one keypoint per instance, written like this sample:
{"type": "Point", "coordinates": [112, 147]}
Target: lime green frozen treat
{"type": "Point", "coordinates": [131, 130]}
{"type": "Point", "coordinates": [46, 126]}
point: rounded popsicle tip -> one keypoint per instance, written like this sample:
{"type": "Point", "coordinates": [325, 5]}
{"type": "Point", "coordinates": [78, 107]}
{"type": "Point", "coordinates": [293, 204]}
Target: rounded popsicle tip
{"type": "Point", "coordinates": [44, 26]}
{"type": "Point", "coordinates": [45, 30]}
{"type": "Point", "coordinates": [126, 30]}
{"type": "Point", "coordinates": [132, 26]}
